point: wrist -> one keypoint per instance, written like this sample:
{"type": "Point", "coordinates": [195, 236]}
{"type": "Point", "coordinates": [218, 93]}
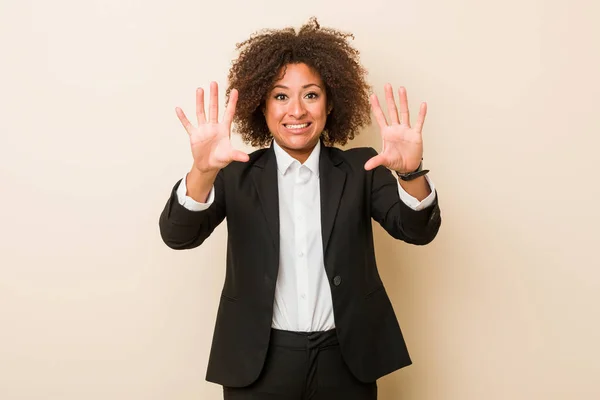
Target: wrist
{"type": "Point", "coordinates": [199, 184]}
{"type": "Point", "coordinates": [418, 188]}
{"type": "Point", "coordinates": [197, 178]}
{"type": "Point", "coordinates": [411, 175]}
{"type": "Point", "coordinates": [204, 171]}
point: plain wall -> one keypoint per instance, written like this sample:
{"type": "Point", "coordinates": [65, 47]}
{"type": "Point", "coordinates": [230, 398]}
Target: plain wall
{"type": "Point", "coordinates": [504, 304]}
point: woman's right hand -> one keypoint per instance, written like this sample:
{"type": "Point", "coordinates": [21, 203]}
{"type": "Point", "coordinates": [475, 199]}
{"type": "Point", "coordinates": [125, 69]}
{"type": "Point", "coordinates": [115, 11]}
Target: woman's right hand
{"type": "Point", "coordinates": [210, 140]}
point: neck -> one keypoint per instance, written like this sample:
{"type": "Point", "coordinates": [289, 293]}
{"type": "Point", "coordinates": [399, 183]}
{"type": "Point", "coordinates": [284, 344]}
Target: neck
{"type": "Point", "coordinates": [299, 154]}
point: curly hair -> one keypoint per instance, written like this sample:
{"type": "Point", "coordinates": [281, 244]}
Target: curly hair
{"type": "Point", "coordinates": [264, 56]}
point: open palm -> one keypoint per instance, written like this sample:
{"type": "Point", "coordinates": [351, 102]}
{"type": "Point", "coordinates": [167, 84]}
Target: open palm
{"type": "Point", "coordinates": [402, 145]}
{"type": "Point", "coordinates": [210, 140]}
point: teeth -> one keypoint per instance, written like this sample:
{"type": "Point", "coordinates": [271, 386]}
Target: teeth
{"type": "Point", "coordinates": [298, 126]}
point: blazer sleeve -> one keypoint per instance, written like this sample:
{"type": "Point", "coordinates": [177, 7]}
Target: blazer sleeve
{"type": "Point", "coordinates": [398, 219]}
{"type": "Point", "coordinates": [181, 228]}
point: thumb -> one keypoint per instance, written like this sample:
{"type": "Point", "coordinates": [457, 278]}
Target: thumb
{"type": "Point", "coordinates": [374, 162]}
{"type": "Point", "coordinates": [237, 155]}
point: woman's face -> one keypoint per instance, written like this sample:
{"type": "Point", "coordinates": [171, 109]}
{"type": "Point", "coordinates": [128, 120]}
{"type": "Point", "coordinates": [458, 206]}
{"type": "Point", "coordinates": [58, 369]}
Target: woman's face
{"type": "Point", "coordinates": [296, 110]}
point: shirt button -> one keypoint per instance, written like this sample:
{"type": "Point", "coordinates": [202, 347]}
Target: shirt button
{"type": "Point", "coordinates": [303, 296]}
{"type": "Point", "coordinates": [300, 254]}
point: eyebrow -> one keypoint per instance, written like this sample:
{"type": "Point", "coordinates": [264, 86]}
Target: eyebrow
{"type": "Point", "coordinates": [303, 87]}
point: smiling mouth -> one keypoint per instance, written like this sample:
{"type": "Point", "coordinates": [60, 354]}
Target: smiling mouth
{"type": "Point", "coordinates": [297, 126]}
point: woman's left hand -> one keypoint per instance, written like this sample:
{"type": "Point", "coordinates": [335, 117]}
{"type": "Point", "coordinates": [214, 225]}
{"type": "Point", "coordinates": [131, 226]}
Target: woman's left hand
{"type": "Point", "coordinates": [402, 149]}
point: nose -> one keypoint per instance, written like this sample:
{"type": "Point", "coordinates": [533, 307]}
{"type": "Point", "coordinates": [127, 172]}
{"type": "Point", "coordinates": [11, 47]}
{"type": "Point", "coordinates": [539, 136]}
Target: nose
{"type": "Point", "coordinates": [296, 109]}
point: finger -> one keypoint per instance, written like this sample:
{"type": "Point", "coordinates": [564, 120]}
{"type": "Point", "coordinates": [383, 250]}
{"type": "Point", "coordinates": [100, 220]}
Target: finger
{"type": "Point", "coordinates": [421, 118]}
{"type": "Point", "coordinates": [200, 114]}
{"type": "Point", "coordinates": [374, 162]}
{"type": "Point", "coordinates": [213, 110]}
{"type": "Point", "coordinates": [391, 104]}
{"type": "Point", "coordinates": [230, 110]}
{"type": "Point", "coordinates": [379, 116]}
{"type": "Point", "coordinates": [237, 155]}
{"type": "Point", "coordinates": [184, 121]}
{"type": "Point", "coordinates": [404, 115]}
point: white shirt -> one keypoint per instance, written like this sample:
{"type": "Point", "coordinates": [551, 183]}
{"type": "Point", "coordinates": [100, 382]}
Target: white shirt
{"type": "Point", "coordinates": [302, 294]}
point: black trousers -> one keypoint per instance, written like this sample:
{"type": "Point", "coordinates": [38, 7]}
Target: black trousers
{"type": "Point", "coordinates": [304, 366]}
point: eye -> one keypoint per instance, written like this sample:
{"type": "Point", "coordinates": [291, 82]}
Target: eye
{"type": "Point", "coordinates": [280, 96]}
{"type": "Point", "coordinates": [312, 95]}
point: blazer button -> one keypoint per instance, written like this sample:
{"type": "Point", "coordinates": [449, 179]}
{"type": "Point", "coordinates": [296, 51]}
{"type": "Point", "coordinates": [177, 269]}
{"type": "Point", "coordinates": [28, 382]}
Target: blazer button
{"type": "Point", "coordinates": [337, 281]}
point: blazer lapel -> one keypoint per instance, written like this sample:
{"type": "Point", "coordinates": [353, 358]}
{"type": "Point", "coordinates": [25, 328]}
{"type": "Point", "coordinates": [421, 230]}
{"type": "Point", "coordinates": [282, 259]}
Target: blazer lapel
{"type": "Point", "coordinates": [264, 175]}
{"type": "Point", "coordinates": [331, 184]}
{"type": "Point", "coordinates": [332, 180]}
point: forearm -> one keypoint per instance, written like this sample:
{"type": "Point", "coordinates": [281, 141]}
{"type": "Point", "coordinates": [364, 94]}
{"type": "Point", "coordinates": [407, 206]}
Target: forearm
{"type": "Point", "coordinates": [418, 188]}
{"type": "Point", "coordinates": [199, 184]}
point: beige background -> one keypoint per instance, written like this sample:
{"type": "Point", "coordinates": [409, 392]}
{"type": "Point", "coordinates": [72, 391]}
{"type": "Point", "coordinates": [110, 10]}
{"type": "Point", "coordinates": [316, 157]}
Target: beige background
{"type": "Point", "coordinates": [504, 304]}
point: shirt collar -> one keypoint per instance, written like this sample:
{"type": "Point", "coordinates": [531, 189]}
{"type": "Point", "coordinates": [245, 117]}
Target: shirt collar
{"type": "Point", "coordinates": [284, 160]}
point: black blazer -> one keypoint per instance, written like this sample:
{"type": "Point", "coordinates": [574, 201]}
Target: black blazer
{"type": "Point", "coordinates": [370, 339]}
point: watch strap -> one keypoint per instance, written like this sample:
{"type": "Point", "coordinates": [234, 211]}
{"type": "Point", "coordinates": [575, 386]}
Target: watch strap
{"type": "Point", "coordinates": [409, 176]}
{"type": "Point", "coordinates": [412, 175]}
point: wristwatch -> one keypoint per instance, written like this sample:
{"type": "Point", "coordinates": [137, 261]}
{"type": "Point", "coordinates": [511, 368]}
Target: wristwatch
{"type": "Point", "coordinates": [409, 176]}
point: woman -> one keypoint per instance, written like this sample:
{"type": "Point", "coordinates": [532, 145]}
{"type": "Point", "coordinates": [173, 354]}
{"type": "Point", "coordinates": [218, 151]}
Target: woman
{"type": "Point", "coordinates": [303, 312]}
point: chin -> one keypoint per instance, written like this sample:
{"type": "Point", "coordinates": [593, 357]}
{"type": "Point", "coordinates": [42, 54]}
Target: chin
{"type": "Point", "coordinates": [299, 142]}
